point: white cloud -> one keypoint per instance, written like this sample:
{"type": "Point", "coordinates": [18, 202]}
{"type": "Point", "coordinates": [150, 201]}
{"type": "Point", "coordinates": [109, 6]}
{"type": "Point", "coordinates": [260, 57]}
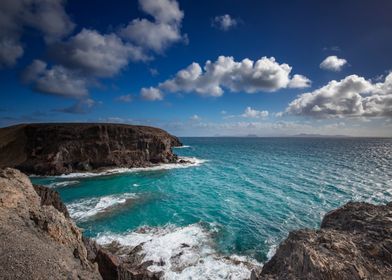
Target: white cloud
{"type": "Point", "coordinates": [83, 58]}
{"type": "Point", "coordinates": [57, 80]}
{"type": "Point", "coordinates": [195, 118]}
{"type": "Point", "coordinates": [10, 51]}
{"type": "Point", "coordinates": [159, 34]}
{"type": "Point", "coordinates": [96, 54]}
{"type": "Point", "coordinates": [247, 76]}
{"type": "Point", "coordinates": [162, 10]}
{"type": "Point", "coordinates": [151, 94]}
{"type": "Point", "coordinates": [252, 113]}
{"type": "Point", "coordinates": [125, 98]}
{"type": "Point", "coordinates": [34, 70]}
{"type": "Point", "coordinates": [333, 63]}
{"type": "Point", "coordinates": [299, 81]}
{"type": "Point", "coordinates": [353, 96]}
{"type": "Point", "coordinates": [224, 22]}
{"type": "Point", "coordinates": [47, 16]}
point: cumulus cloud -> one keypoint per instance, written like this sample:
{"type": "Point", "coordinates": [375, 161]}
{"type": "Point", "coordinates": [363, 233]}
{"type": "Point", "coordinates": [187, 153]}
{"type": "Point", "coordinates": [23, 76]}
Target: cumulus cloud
{"type": "Point", "coordinates": [333, 63]}
{"type": "Point", "coordinates": [224, 22]}
{"type": "Point", "coordinates": [247, 76]}
{"type": "Point", "coordinates": [96, 54]}
{"type": "Point", "coordinates": [252, 113]}
{"type": "Point", "coordinates": [159, 34]}
{"type": "Point", "coordinates": [299, 81]}
{"type": "Point", "coordinates": [80, 61]}
{"type": "Point", "coordinates": [352, 96]}
{"type": "Point", "coordinates": [57, 80]}
{"type": "Point", "coordinates": [47, 16]}
{"type": "Point", "coordinates": [151, 94]}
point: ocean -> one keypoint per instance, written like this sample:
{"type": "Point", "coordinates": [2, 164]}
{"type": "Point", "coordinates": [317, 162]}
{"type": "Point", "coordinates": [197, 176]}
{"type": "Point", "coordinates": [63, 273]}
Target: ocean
{"type": "Point", "coordinates": [232, 205]}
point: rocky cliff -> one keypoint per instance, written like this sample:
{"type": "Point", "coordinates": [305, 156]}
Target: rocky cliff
{"type": "Point", "coordinates": [52, 149]}
{"type": "Point", "coordinates": [36, 240]}
{"type": "Point", "coordinates": [354, 242]}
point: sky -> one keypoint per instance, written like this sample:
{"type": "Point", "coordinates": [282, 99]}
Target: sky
{"type": "Point", "coordinates": [200, 68]}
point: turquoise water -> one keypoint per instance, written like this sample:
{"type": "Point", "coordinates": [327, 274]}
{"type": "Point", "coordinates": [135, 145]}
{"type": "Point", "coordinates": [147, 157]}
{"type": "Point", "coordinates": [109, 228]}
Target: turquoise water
{"type": "Point", "coordinates": [250, 192]}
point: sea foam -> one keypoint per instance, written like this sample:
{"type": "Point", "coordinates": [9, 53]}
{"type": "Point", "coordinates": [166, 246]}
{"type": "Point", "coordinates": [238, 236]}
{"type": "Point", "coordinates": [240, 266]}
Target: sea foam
{"type": "Point", "coordinates": [87, 208]}
{"type": "Point", "coordinates": [182, 147]}
{"type": "Point", "coordinates": [62, 184]}
{"type": "Point", "coordinates": [182, 253]}
{"type": "Point", "coordinates": [187, 162]}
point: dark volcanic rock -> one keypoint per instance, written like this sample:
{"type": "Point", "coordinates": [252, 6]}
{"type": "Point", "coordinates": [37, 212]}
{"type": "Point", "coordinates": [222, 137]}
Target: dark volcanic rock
{"type": "Point", "coordinates": [114, 266]}
{"type": "Point", "coordinates": [36, 240]}
{"type": "Point", "coordinates": [354, 242]}
{"type": "Point", "coordinates": [52, 149]}
{"type": "Point", "coordinates": [51, 197]}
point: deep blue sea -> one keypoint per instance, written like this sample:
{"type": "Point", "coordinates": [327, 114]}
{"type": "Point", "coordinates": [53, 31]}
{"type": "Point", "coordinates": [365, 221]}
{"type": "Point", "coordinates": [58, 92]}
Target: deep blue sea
{"type": "Point", "coordinates": [238, 199]}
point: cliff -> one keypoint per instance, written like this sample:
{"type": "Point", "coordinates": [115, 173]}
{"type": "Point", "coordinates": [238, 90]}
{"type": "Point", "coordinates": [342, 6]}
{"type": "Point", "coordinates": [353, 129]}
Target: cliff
{"type": "Point", "coordinates": [36, 240]}
{"type": "Point", "coordinates": [52, 149]}
{"type": "Point", "coordinates": [354, 242]}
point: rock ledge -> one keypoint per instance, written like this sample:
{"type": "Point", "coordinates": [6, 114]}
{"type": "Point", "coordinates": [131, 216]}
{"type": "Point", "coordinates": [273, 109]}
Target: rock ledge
{"type": "Point", "coordinates": [354, 242]}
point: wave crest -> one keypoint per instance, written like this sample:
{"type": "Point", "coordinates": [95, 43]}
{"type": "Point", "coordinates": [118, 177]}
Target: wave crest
{"type": "Point", "coordinates": [183, 162]}
{"type": "Point", "coordinates": [87, 208]}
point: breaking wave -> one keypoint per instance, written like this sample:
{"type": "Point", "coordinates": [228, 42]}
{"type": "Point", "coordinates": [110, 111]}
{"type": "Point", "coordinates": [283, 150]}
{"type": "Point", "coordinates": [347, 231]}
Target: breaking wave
{"type": "Point", "coordinates": [181, 253]}
{"type": "Point", "coordinates": [183, 162]}
{"type": "Point", "coordinates": [87, 208]}
{"type": "Point", "coordinates": [62, 184]}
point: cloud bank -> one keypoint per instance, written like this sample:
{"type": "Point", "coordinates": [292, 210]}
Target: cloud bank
{"type": "Point", "coordinates": [80, 61]}
{"type": "Point", "coordinates": [353, 96]}
{"type": "Point", "coordinates": [249, 76]}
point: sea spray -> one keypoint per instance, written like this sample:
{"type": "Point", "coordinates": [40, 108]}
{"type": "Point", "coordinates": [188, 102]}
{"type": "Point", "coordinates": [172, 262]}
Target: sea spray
{"type": "Point", "coordinates": [180, 253]}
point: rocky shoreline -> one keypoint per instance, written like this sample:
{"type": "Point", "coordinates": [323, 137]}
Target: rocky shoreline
{"type": "Point", "coordinates": [39, 239]}
{"type": "Point", "coordinates": [62, 148]}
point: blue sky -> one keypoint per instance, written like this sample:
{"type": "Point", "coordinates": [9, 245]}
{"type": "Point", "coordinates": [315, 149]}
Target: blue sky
{"type": "Point", "coordinates": [275, 68]}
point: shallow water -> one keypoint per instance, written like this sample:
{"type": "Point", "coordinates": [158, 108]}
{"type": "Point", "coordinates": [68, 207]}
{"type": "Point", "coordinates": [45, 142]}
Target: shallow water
{"type": "Point", "coordinates": [242, 200]}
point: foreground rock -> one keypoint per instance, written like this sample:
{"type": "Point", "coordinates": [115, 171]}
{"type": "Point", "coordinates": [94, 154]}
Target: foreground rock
{"type": "Point", "coordinates": [53, 149]}
{"type": "Point", "coordinates": [36, 240]}
{"type": "Point", "coordinates": [354, 242]}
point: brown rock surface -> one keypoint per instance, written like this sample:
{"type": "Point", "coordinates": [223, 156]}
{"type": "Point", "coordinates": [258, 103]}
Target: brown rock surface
{"type": "Point", "coordinates": [52, 149]}
{"type": "Point", "coordinates": [37, 241]}
{"type": "Point", "coordinates": [51, 197]}
{"type": "Point", "coordinates": [354, 242]}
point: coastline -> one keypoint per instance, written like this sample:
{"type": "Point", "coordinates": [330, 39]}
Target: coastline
{"type": "Point", "coordinates": [181, 162]}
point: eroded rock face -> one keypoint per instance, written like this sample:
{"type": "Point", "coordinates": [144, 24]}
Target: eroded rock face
{"type": "Point", "coordinates": [52, 149]}
{"type": "Point", "coordinates": [354, 242]}
{"type": "Point", "coordinates": [51, 197]}
{"type": "Point", "coordinates": [36, 240]}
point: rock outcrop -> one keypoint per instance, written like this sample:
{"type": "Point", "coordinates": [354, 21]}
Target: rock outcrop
{"type": "Point", "coordinates": [51, 197]}
{"type": "Point", "coordinates": [354, 242]}
{"type": "Point", "coordinates": [53, 149]}
{"type": "Point", "coordinates": [36, 240]}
